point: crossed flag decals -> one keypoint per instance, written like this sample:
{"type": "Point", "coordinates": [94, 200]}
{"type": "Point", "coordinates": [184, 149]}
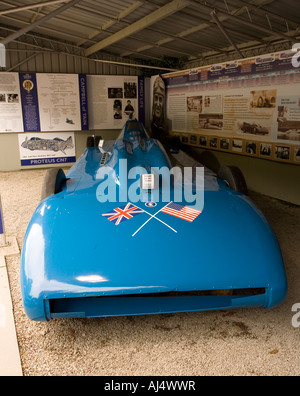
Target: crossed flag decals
{"type": "Point", "coordinates": [119, 215]}
{"type": "Point", "coordinates": [127, 212]}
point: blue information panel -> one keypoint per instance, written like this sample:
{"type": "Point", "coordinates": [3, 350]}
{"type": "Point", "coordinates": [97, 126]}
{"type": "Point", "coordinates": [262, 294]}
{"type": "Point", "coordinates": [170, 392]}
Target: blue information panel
{"type": "Point", "coordinates": [30, 105]}
{"type": "Point", "coordinates": [141, 101]}
{"type": "Point", "coordinates": [47, 161]}
{"type": "Point", "coordinates": [83, 102]}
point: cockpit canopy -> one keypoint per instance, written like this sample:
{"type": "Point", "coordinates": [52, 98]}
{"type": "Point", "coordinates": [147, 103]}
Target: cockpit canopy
{"type": "Point", "coordinates": [133, 130]}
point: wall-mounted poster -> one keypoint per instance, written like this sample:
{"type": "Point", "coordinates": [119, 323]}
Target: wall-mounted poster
{"type": "Point", "coordinates": [114, 99]}
{"type": "Point", "coordinates": [30, 106]}
{"type": "Point", "coordinates": [11, 119]}
{"type": "Point", "coordinates": [240, 106]}
{"type": "Point", "coordinates": [62, 102]}
{"type": "Point", "coordinates": [47, 148]}
{"type": "Point", "coordinates": [159, 125]}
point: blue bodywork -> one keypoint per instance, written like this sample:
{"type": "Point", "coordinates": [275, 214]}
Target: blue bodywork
{"type": "Point", "coordinates": [76, 262]}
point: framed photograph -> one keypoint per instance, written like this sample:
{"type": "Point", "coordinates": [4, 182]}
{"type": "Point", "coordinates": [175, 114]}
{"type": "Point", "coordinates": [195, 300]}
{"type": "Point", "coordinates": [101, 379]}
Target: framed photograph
{"type": "Point", "coordinates": [282, 152]}
{"type": "Point", "coordinates": [251, 148]}
{"type": "Point", "coordinates": [224, 144]}
{"type": "Point", "coordinates": [213, 142]}
{"type": "Point", "coordinates": [265, 150]}
{"type": "Point", "coordinates": [237, 145]}
{"type": "Point", "coordinates": [193, 139]}
{"type": "Point", "coordinates": [297, 154]}
{"type": "Point", "coordinates": [185, 139]}
{"type": "Point", "coordinates": [203, 140]}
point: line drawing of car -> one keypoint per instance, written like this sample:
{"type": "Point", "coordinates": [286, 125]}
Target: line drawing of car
{"type": "Point", "coordinates": [56, 144]}
{"type": "Point", "coordinates": [86, 257]}
{"type": "Point", "coordinates": [254, 129]}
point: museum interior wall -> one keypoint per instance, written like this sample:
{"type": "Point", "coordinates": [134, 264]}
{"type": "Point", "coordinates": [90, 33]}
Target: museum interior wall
{"type": "Point", "coordinates": [247, 113]}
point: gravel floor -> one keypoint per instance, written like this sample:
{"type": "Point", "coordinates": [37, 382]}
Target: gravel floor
{"type": "Point", "coordinates": [239, 342]}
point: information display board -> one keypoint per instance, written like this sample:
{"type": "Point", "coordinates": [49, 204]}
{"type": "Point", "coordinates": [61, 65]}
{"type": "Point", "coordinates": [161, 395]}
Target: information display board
{"type": "Point", "coordinates": [11, 119]}
{"type": "Point", "coordinates": [113, 99]}
{"type": "Point", "coordinates": [43, 102]}
{"type": "Point", "coordinates": [30, 105]}
{"type": "Point", "coordinates": [47, 148]}
{"type": "Point", "coordinates": [46, 109]}
{"type": "Point", "coordinates": [249, 106]}
{"type": "Point", "coordinates": [48, 102]}
{"type": "Point", "coordinates": [59, 102]}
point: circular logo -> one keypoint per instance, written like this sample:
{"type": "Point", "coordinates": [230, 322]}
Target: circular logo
{"type": "Point", "coordinates": [28, 85]}
{"type": "Point", "coordinates": [151, 204]}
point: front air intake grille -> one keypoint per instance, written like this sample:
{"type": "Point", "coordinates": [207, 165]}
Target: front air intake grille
{"type": "Point", "coordinates": [156, 303]}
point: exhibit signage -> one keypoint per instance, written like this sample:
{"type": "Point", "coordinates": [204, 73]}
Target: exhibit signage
{"type": "Point", "coordinates": [249, 106]}
{"type": "Point", "coordinates": [59, 102]}
{"type": "Point", "coordinates": [30, 105]}
{"type": "Point", "coordinates": [114, 99]}
{"type": "Point", "coordinates": [47, 149]}
{"type": "Point", "coordinates": [83, 102]}
{"type": "Point", "coordinates": [141, 100]}
{"type": "Point", "coordinates": [11, 119]}
{"type": "Point", "coordinates": [43, 102]}
{"type": "Point", "coordinates": [47, 108]}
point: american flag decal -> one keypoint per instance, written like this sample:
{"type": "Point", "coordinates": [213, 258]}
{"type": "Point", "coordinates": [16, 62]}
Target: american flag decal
{"type": "Point", "coordinates": [182, 212]}
{"type": "Point", "coordinates": [119, 215]}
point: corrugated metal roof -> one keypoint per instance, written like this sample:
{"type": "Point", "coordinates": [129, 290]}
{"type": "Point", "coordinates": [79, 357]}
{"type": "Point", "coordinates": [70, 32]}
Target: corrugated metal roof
{"type": "Point", "coordinates": [138, 31]}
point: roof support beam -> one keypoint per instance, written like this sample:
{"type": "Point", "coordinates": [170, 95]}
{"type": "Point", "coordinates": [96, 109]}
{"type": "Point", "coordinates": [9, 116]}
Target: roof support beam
{"type": "Point", "coordinates": [110, 62]}
{"type": "Point", "coordinates": [32, 26]}
{"type": "Point", "coordinates": [111, 22]}
{"type": "Point", "coordinates": [221, 27]}
{"type": "Point", "coordinates": [23, 61]}
{"type": "Point", "coordinates": [245, 22]}
{"type": "Point", "coordinates": [31, 6]}
{"type": "Point", "coordinates": [159, 14]}
{"type": "Point", "coordinates": [259, 27]}
{"type": "Point", "coordinates": [197, 28]}
{"type": "Point", "coordinates": [263, 11]}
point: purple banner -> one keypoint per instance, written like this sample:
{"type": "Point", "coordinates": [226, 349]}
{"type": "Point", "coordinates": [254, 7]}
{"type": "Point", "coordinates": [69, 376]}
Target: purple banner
{"type": "Point", "coordinates": [141, 100]}
{"type": "Point", "coordinates": [30, 104]}
{"type": "Point", "coordinates": [83, 102]}
{"type": "Point", "coordinates": [261, 65]}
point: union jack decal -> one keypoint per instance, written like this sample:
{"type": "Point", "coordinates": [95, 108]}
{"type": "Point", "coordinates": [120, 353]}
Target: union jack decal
{"type": "Point", "coordinates": [127, 212]}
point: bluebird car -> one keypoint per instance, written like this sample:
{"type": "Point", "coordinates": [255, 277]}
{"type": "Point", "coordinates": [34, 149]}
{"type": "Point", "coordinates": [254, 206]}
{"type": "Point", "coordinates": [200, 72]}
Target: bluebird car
{"type": "Point", "coordinates": [91, 250]}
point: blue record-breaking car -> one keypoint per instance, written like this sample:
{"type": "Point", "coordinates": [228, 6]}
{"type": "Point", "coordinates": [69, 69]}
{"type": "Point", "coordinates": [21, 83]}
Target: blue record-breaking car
{"type": "Point", "coordinates": [108, 239]}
